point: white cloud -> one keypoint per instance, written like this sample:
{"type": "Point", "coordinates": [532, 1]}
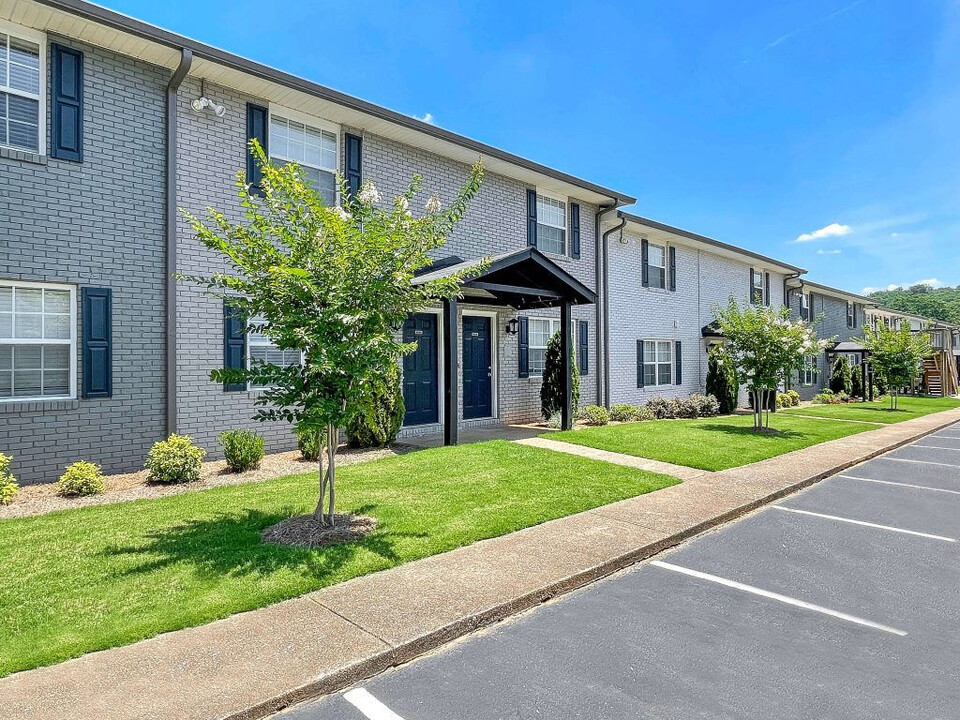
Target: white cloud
{"type": "Point", "coordinates": [821, 251]}
{"type": "Point", "coordinates": [932, 282]}
{"type": "Point", "coordinates": [831, 230]}
{"type": "Point", "coordinates": [428, 118]}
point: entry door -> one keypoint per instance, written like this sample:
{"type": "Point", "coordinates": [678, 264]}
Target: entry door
{"type": "Point", "coordinates": [420, 385]}
{"type": "Point", "coordinates": [477, 371]}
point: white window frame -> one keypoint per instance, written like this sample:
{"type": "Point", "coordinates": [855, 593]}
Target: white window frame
{"type": "Point", "coordinates": [809, 372]}
{"type": "Point", "coordinates": [72, 379]}
{"type": "Point", "coordinates": [262, 341]}
{"type": "Point", "coordinates": [314, 122]}
{"type": "Point", "coordinates": [554, 325]}
{"type": "Point", "coordinates": [851, 314]}
{"type": "Point", "coordinates": [663, 268]}
{"type": "Point", "coordinates": [759, 276]}
{"type": "Point", "coordinates": [671, 362]}
{"type": "Point", "coordinates": [565, 209]}
{"type": "Point", "coordinates": [805, 306]}
{"type": "Point", "coordinates": [40, 38]}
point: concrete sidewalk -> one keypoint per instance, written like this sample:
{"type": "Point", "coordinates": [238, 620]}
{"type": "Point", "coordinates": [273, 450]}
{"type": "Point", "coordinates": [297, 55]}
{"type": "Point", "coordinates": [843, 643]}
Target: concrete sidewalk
{"type": "Point", "coordinates": [253, 663]}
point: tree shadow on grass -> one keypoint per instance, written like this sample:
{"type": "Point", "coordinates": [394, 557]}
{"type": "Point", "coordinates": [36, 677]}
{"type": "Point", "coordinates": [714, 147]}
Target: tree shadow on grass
{"type": "Point", "coordinates": [229, 544]}
{"type": "Point", "coordinates": [769, 434]}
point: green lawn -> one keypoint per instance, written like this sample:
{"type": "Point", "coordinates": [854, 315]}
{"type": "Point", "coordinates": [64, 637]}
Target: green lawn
{"type": "Point", "coordinates": [92, 578]}
{"type": "Point", "coordinates": [879, 412]}
{"type": "Point", "coordinates": [711, 443]}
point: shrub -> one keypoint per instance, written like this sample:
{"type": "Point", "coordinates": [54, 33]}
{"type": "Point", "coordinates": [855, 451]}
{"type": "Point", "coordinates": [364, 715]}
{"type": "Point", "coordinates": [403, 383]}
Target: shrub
{"type": "Point", "coordinates": [644, 413]}
{"type": "Point", "coordinates": [308, 443]}
{"type": "Point", "coordinates": [661, 408]}
{"type": "Point", "coordinates": [80, 479]}
{"type": "Point", "coordinates": [551, 389]}
{"type": "Point", "coordinates": [175, 460]}
{"type": "Point", "coordinates": [382, 417]}
{"type": "Point", "coordinates": [722, 380]}
{"type": "Point", "coordinates": [856, 382]}
{"type": "Point", "coordinates": [840, 379]}
{"type": "Point", "coordinates": [624, 412]}
{"type": "Point", "coordinates": [704, 405]}
{"type": "Point", "coordinates": [8, 483]}
{"type": "Point", "coordinates": [794, 397]}
{"type": "Point", "coordinates": [828, 397]}
{"type": "Point", "coordinates": [594, 415]}
{"type": "Point", "coordinates": [242, 449]}
{"type": "Point", "coordinates": [784, 400]}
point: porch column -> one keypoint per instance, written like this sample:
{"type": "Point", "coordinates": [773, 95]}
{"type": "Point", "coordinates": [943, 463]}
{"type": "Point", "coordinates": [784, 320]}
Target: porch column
{"type": "Point", "coordinates": [451, 373]}
{"type": "Point", "coordinates": [566, 371]}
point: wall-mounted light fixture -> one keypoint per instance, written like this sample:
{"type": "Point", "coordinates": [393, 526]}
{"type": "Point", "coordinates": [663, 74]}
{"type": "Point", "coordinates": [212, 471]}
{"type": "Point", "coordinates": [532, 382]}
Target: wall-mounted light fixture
{"type": "Point", "coordinates": [512, 326]}
{"type": "Point", "coordinates": [624, 241]}
{"type": "Point", "coordinates": [203, 102]}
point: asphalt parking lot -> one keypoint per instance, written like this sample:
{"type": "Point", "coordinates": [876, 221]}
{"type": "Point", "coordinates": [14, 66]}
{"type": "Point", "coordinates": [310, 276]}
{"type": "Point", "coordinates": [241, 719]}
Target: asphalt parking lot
{"type": "Point", "coordinates": [842, 601]}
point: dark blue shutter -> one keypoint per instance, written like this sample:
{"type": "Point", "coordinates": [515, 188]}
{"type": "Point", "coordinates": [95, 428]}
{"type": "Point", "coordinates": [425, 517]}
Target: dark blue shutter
{"type": "Point", "coordinates": [523, 346]}
{"type": "Point", "coordinates": [766, 289]}
{"type": "Point", "coordinates": [532, 218]}
{"type": "Point", "coordinates": [639, 363]}
{"type": "Point", "coordinates": [678, 361]}
{"type": "Point", "coordinates": [353, 162]}
{"type": "Point", "coordinates": [673, 269]}
{"type": "Point", "coordinates": [575, 230]}
{"type": "Point", "coordinates": [256, 129]}
{"type": "Point", "coordinates": [752, 295]}
{"type": "Point", "coordinates": [644, 263]}
{"type": "Point", "coordinates": [234, 343]}
{"type": "Point", "coordinates": [66, 99]}
{"type": "Point", "coordinates": [97, 350]}
{"type": "Point", "coordinates": [583, 346]}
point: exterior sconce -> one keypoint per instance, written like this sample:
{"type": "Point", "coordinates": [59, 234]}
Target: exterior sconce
{"type": "Point", "coordinates": [512, 326]}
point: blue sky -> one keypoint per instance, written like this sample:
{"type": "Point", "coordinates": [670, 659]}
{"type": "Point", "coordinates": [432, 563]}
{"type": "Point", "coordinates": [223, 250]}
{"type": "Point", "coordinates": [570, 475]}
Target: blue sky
{"type": "Point", "coordinates": [757, 123]}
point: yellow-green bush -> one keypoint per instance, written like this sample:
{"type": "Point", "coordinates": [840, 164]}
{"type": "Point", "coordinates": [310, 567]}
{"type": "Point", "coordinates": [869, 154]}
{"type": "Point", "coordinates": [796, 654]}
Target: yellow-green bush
{"type": "Point", "coordinates": [8, 483]}
{"type": "Point", "coordinates": [175, 460]}
{"type": "Point", "coordinates": [80, 479]}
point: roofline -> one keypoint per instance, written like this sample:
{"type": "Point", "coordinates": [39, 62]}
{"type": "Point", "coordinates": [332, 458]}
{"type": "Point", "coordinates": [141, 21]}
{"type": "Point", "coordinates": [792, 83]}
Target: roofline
{"type": "Point", "coordinates": [125, 23]}
{"type": "Point", "coordinates": [707, 240]}
{"type": "Point", "coordinates": [838, 291]}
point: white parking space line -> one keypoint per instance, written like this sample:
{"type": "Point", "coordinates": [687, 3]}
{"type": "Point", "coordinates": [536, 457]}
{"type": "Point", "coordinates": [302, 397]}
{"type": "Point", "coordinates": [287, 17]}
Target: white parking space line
{"type": "Point", "coordinates": [369, 705]}
{"type": "Point", "coordinates": [937, 447]}
{"type": "Point", "coordinates": [865, 524]}
{"type": "Point", "coordinates": [899, 484]}
{"type": "Point", "coordinates": [777, 596]}
{"type": "Point", "coordinates": [921, 462]}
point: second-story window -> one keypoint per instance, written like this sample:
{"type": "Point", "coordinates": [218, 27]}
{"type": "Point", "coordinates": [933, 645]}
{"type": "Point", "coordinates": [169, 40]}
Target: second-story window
{"type": "Point", "coordinates": [313, 148]}
{"type": "Point", "coordinates": [21, 91]}
{"type": "Point", "coordinates": [850, 314]}
{"type": "Point", "coordinates": [756, 292]}
{"type": "Point", "coordinates": [551, 225]}
{"type": "Point", "coordinates": [657, 265]}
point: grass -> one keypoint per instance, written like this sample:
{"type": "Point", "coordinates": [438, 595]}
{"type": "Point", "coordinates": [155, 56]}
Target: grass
{"type": "Point", "coordinates": [93, 578]}
{"type": "Point", "coordinates": [711, 443]}
{"type": "Point", "coordinates": [879, 412]}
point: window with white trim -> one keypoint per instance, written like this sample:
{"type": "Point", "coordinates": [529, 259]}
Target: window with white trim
{"type": "Point", "coordinates": [540, 332]}
{"type": "Point", "coordinates": [808, 374]}
{"type": "Point", "coordinates": [804, 306]}
{"type": "Point", "coordinates": [850, 314]}
{"type": "Point", "coordinates": [313, 148]}
{"type": "Point", "coordinates": [657, 362]}
{"type": "Point", "coordinates": [38, 341]}
{"type": "Point", "coordinates": [21, 92]}
{"type": "Point", "coordinates": [758, 287]}
{"type": "Point", "coordinates": [551, 225]}
{"type": "Point", "coordinates": [657, 265]}
{"type": "Point", "coordinates": [262, 349]}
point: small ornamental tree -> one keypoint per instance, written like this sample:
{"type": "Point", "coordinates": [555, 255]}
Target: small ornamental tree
{"type": "Point", "coordinates": [722, 380]}
{"type": "Point", "coordinates": [766, 346]}
{"type": "Point", "coordinates": [331, 282]}
{"type": "Point", "coordinates": [551, 390]}
{"type": "Point", "coordinates": [857, 387]}
{"type": "Point", "coordinates": [840, 379]}
{"type": "Point", "coordinates": [897, 357]}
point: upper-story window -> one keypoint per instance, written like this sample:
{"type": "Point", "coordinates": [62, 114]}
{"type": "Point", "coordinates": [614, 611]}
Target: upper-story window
{"type": "Point", "coordinates": [851, 314]}
{"type": "Point", "coordinates": [804, 306]}
{"type": "Point", "coordinates": [551, 225]}
{"type": "Point", "coordinates": [313, 148]}
{"type": "Point", "coordinates": [657, 265]}
{"type": "Point", "coordinates": [21, 92]}
{"type": "Point", "coordinates": [37, 341]}
{"type": "Point", "coordinates": [756, 291]}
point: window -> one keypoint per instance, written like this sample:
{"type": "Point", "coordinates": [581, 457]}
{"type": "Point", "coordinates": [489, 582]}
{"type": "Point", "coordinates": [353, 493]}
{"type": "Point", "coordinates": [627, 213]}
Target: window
{"type": "Point", "coordinates": [21, 93]}
{"type": "Point", "coordinates": [757, 296]}
{"type": "Point", "coordinates": [657, 265]}
{"type": "Point", "coordinates": [541, 330]}
{"type": "Point", "coordinates": [850, 314]}
{"type": "Point", "coordinates": [37, 341]}
{"type": "Point", "coordinates": [657, 362]}
{"type": "Point", "coordinates": [261, 349]}
{"type": "Point", "coordinates": [805, 306]}
{"type": "Point", "coordinates": [314, 149]}
{"type": "Point", "coordinates": [808, 375]}
{"type": "Point", "coordinates": [551, 225]}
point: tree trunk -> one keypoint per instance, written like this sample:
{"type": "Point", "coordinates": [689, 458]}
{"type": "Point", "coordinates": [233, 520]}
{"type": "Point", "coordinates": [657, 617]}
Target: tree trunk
{"type": "Point", "coordinates": [332, 468]}
{"type": "Point", "coordinates": [322, 479]}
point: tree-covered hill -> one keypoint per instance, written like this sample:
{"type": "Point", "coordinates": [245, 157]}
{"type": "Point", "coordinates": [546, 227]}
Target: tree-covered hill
{"type": "Point", "coordinates": [940, 303]}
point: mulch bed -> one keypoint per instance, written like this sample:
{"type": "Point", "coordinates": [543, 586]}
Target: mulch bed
{"type": "Point", "coordinates": [304, 531]}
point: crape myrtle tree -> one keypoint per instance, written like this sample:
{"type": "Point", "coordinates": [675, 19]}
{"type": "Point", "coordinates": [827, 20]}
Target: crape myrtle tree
{"type": "Point", "coordinates": [551, 389]}
{"type": "Point", "coordinates": [896, 357]}
{"type": "Point", "coordinates": [331, 282]}
{"type": "Point", "coordinates": [766, 346]}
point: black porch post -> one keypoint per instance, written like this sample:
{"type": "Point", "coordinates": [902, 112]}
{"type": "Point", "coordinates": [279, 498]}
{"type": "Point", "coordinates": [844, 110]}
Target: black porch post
{"type": "Point", "coordinates": [566, 372]}
{"type": "Point", "coordinates": [451, 374]}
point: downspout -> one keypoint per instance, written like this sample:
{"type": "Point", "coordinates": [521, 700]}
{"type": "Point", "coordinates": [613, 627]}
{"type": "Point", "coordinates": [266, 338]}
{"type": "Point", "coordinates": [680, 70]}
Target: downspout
{"type": "Point", "coordinates": [186, 59]}
{"type": "Point", "coordinates": [605, 304]}
{"type": "Point", "coordinates": [598, 283]}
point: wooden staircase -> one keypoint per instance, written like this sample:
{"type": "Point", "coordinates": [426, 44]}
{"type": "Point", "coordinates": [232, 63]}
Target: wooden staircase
{"type": "Point", "coordinates": [940, 374]}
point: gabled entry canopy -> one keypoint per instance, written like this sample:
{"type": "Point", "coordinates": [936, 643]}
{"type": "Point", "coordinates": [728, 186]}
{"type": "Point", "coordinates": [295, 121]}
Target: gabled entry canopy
{"type": "Point", "coordinates": [520, 279]}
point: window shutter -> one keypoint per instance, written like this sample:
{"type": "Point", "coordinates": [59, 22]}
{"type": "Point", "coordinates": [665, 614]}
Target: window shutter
{"type": "Point", "coordinates": [256, 129]}
{"type": "Point", "coordinates": [639, 363]}
{"type": "Point", "coordinates": [575, 230]}
{"type": "Point", "coordinates": [353, 162]}
{"type": "Point", "coordinates": [97, 351]}
{"type": "Point", "coordinates": [66, 98]}
{"type": "Point", "coordinates": [234, 343]}
{"type": "Point", "coordinates": [678, 360]}
{"type": "Point", "coordinates": [673, 268]}
{"type": "Point", "coordinates": [583, 346]}
{"type": "Point", "coordinates": [531, 219]}
{"type": "Point", "coordinates": [523, 346]}
{"type": "Point", "coordinates": [644, 263]}
{"type": "Point", "coordinates": [855, 309]}
{"type": "Point", "coordinates": [753, 298]}
{"type": "Point", "coordinates": [766, 289]}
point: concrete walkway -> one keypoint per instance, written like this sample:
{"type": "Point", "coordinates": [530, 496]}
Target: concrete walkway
{"type": "Point", "coordinates": [251, 664]}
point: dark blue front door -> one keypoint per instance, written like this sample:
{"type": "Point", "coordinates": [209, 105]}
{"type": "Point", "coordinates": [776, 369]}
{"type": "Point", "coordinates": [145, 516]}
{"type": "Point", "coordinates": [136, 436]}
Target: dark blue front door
{"type": "Point", "coordinates": [420, 370]}
{"type": "Point", "coordinates": [477, 372]}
